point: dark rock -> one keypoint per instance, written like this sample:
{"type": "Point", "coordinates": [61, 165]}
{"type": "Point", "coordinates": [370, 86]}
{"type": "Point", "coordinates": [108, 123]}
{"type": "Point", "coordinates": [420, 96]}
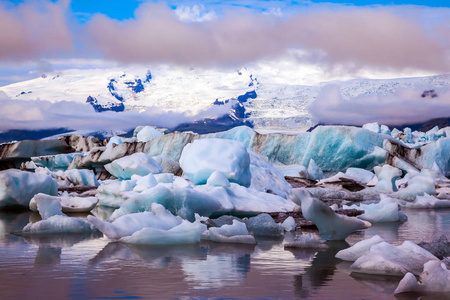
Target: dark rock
{"type": "Point", "coordinates": [440, 247]}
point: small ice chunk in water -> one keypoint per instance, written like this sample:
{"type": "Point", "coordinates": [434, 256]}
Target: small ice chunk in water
{"type": "Point", "coordinates": [264, 225]}
{"type": "Point", "coordinates": [235, 233]}
{"type": "Point", "coordinates": [357, 250]}
{"type": "Point", "coordinates": [386, 259]}
{"type": "Point", "coordinates": [434, 278]}
{"type": "Point", "coordinates": [289, 224]}
{"type": "Point", "coordinates": [331, 225]}
{"type": "Point", "coordinates": [386, 178]}
{"type": "Point", "coordinates": [309, 241]}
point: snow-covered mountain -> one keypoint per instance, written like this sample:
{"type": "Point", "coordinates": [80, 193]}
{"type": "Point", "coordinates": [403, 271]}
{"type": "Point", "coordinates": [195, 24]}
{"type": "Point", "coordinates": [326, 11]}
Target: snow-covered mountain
{"type": "Point", "coordinates": [267, 97]}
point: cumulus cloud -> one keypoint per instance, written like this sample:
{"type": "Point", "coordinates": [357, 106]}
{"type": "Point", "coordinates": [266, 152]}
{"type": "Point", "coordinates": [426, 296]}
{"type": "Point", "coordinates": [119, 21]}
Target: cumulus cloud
{"type": "Point", "coordinates": [361, 36]}
{"type": "Point", "coordinates": [195, 13]}
{"type": "Point", "coordinates": [34, 29]}
{"type": "Point", "coordinates": [406, 106]}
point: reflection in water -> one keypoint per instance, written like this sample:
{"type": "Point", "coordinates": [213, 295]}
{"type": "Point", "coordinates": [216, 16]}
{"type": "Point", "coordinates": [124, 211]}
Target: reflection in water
{"type": "Point", "coordinates": [321, 270]}
{"type": "Point", "coordinates": [48, 256]}
{"type": "Point", "coordinates": [87, 266]}
{"type": "Point", "coordinates": [225, 265]}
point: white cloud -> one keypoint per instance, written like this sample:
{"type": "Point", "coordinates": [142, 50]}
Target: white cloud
{"type": "Point", "coordinates": [195, 13]}
{"type": "Point", "coordinates": [406, 106]}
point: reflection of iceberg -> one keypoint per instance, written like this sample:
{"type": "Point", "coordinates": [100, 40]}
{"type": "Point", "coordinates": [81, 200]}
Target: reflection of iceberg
{"type": "Point", "coordinates": [217, 271]}
{"type": "Point", "coordinates": [47, 256]}
{"type": "Point", "coordinates": [158, 257]}
{"type": "Point", "coordinates": [225, 265]}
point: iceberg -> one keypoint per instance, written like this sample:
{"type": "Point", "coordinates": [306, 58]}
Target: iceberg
{"type": "Point", "coordinates": [434, 278]}
{"type": "Point", "coordinates": [69, 204]}
{"type": "Point", "coordinates": [202, 157]}
{"type": "Point", "coordinates": [18, 187]}
{"type": "Point", "coordinates": [331, 225]}
{"type": "Point", "coordinates": [357, 250]}
{"type": "Point", "coordinates": [386, 210]}
{"type": "Point", "coordinates": [148, 133]}
{"type": "Point", "coordinates": [306, 241]}
{"type": "Point", "coordinates": [360, 175]}
{"type": "Point", "coordinates": [418, 185]}
{"type": "Point", "coordinates": [137, 163]}
{"type": "Point", "coordinates": [53, 220]}
{"type": "Point", "coordinates": [387, 175]}
{"type": "Point", "coordinates": [264, 225]}
{"type": "Point", "coordinates": [386, 259]}
{"type": "Point", "coordinates": [289, 224]}
{"type": "Point", "coordinates": [234, 233]}
{"type": "Point", "coordinates": [70, 178]}
{"type": "Point", "coordinates": [156, 227]}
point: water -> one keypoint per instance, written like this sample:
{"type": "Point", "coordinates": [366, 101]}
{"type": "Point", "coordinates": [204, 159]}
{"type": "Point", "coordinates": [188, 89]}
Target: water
{"type": "Point", "coordinates": [90, 267]}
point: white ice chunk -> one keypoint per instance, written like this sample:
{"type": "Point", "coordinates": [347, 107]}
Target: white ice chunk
{"type": "Point", "coordinates": [293, 170]}
{"type": "Point", "coordinates": [158, 218]}
{"type": "Point", "coordinates": [382, 212]}
{"type": "Point", "coordinates": [218, 179]}
{"type": "Point", "coordinates": [266, 178]}
{"type": "Point", "coordinates": [417, 186]}
{"type": "Point", "coordinates": [18, 187]}
{"type": "Point", "coordinates": [235, 233]}
{"type": "Point", "coordinates": [164, 178]}
{"type": "Point", "coordinates": [58, 224]}
{"type": "Point", "coordinates": [360, 175]}
{"type": "Point", "coordinates": [144, 182]}
{"type": "Point", "coordinates": [148, 133]}
{"type": "Point", "coordinates": [387, 175]}
{"type": "Point", "coordinates": [374, 127]}
{"type": "Point", "coordinates": [289, 224]}
{"type": "Point", "coordinates": [137, 163]}
{"type": "Point", "coordinates": [47, 206]}
{"type": "Point", "coordinates": [306, 241]}
{"type": "Point", "coordinates": [314, 172]}
{"type": "Point", "coordinates": [425, 201]}
{"type": "Point", "coordinates": [357, 250]}
{"type": "Point", "coordinates": [202, 157]}
{"type": "Point", "coordinates": [114, 140]}
{"type": "Point", "coordinates": [434, 278]}
{"type": "Point", "coordinates": [68, 204]}
{"type": "Point", "coordinates": [386, 259]}
{"type": "Point", "coordinates": [331, 225]}
{"type": "Point", "coordinates": [184, 233]}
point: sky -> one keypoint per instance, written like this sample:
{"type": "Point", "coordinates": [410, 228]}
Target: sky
{"type": "Point", "coordinates": [39, 36]}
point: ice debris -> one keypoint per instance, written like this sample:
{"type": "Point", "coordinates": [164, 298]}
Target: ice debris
{"type": "Point", "coordinates": [434, 278]}
{"type": "Point", "coordinates": [306, 241]}
{"type": "Point", "coordinates": [18, 187]}
{"type": "Point", "coordinates": [386, 259]}
{"type": "Point", "coordinates": [53, 220]}
{"type": "Point", "coordinates": [156, 227]}
{"type": "Point", "coordinates": [384, 211]}
{"type": "Point", "coordinates": [264, 225]}
{"type": "Point", "coordinates": [137, 163]}
{"type": "Point", "coordinates": [202, 157]}
{"type": "Point", "coordinates": [69, 204]}
{"type": "Point", "coordinates": [331, 225]}
{"type": "Point", "coordinates": [234, 233]}
{"type": "Point", "coordinates": [357, 250]}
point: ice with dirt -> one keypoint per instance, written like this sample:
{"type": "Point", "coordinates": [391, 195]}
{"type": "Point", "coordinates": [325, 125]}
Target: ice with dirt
{"type": "Point", "coordinates": [17, 188]}
{"type": "Point", "coordinates": [202, 157]}
{"type": "Point", "coordinates": [72, 177]}
{"type": "Point", "coordinates": [137, 163]}
{"type": "Point", "coordinates": [434, 278]}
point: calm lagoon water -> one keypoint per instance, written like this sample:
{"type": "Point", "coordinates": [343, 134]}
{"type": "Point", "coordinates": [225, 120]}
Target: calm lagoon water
{"type": "Point", "coordinates": [90, 267]}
